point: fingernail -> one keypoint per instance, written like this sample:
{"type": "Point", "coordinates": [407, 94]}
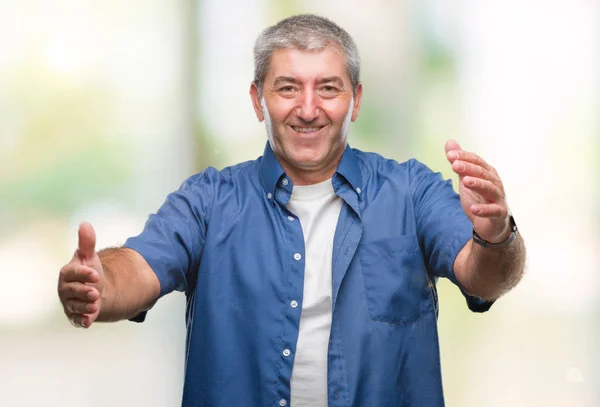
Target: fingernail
{"type": "Point", "coordinates": [90, 295]}
{"type": "Point", "coordinates": [452, 155]}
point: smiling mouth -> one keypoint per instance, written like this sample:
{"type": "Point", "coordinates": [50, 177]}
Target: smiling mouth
{"type": "Point", "coordinates": [306, 130]}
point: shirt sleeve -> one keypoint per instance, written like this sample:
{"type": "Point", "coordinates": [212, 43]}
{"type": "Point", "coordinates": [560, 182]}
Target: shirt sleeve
{"type": "Point", "coordinates": [173, 238]}
{"type": "Point", "coordinates": [442, 226]}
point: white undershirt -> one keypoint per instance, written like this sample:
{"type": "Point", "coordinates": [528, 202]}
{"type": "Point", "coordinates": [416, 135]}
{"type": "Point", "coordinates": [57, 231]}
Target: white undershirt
{"type": "Point", "coordinates": [318, 208]}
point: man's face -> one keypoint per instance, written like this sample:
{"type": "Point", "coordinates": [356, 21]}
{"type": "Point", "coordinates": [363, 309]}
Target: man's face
{"type": "Point", "coordinates": [307, 106]}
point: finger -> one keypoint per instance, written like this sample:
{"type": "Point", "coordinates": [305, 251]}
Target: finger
{"type": "Point", "coordinates": [76, 306]}
{"type": "Point", "coordinates": [493, 210]}
{"type": "Point", "coordinates": [75, 272]}
{"type": "Point", "coordinates": [81, 321]}
{"type": "Point", "coordinates": [469, 157]}
{"type": "Point", "coordinates": [464, 168]}
{"type": "Point", "coordinates": [87, 241]}
{"type": "Point", "coordinates": [485, 188]}
{"type": "Point", "coordinates": [452, 145]}
{"type": "Point", "coordinates": [75, 320]}
{"type": "Point", "coordinates": [78, 291]}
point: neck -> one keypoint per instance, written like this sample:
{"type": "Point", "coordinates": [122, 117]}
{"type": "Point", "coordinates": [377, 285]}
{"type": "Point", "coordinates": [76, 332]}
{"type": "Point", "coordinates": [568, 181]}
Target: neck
{"type": "Point", "coordinates": [310, 176]}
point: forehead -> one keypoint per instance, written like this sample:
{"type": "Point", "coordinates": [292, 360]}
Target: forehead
{"type": "Point", "coordinates": [307, 65]}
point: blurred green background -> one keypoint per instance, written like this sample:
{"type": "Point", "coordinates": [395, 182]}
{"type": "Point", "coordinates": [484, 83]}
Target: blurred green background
{"type": "Point", "coordinates": [105, 107]}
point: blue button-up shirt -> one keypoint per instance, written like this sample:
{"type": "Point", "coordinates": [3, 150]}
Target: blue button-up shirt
{"type": "Point", "coordinates": [228, 241]}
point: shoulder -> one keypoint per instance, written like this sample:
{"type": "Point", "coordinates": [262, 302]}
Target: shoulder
{"type": "Point", "coordinates": [375, 167]}
{"type": "Point", "coordinates": [203, 190]}
{"type": "Point", "coordinates": [211, 177]}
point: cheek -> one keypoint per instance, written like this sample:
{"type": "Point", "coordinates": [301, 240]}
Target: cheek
{"type": "Point", "coordinates": [336, 111]}
{"type": "Point", "coordinates": [280, 112]}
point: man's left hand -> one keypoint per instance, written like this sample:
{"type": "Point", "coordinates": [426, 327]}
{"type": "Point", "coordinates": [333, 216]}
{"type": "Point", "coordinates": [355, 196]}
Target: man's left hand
{"type": "Point", "coordinates": [481, 193]}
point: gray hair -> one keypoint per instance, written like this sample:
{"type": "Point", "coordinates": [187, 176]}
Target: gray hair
{"type": "Point", "coordinates": [305, 32]}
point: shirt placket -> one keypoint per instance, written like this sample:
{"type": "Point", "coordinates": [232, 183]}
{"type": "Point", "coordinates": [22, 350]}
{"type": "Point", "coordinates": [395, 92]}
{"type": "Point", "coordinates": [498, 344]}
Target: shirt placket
{"type": "Point", "coordinates": [293, 291]}
{"type": "Point", "coordinates": [348, 234]}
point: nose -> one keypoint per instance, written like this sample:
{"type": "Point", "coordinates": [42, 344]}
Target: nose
{"type": "Point", "coordinates": [308, 108]}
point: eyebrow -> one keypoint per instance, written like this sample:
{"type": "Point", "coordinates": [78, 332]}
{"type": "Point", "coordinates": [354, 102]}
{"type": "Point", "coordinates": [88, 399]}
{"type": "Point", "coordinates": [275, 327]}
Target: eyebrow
{"type": "Point", "coordinates": [289, 79]}
{"type": "Point", "coordinates": [285, 79]}
{"type": "Point", "coordinates": [329, 79]}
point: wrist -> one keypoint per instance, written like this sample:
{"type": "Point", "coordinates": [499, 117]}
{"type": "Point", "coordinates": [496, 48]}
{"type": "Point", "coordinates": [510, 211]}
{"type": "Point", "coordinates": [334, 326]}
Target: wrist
{"type": "Point", "coordinates": [504, 240]}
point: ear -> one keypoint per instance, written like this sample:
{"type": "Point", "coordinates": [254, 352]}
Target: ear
{"type": "Point", "coordinates": [256, 102]}
{"type": "Point", "coordinates": [357, 99]}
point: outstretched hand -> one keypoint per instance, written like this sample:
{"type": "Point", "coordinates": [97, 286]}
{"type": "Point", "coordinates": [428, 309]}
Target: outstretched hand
{"type": "Point", "coordinates": [81, 281]}
{"type": "Point", "coordinates": [481, 193]}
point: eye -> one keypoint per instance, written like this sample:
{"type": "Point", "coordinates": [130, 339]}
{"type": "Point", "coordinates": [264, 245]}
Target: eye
{"type": "Point", "coordinates": [287, 89]}
{"type": "Point", "coordinates": [328, 91]}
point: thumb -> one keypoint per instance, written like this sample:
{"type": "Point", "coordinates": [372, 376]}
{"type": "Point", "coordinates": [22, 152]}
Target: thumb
{"type": "Point", "coordinates": [86, 248]}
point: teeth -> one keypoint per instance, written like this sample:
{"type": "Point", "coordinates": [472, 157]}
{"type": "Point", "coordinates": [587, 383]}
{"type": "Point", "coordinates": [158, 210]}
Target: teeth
{"type": "Point", "coordinates": [305, 129]}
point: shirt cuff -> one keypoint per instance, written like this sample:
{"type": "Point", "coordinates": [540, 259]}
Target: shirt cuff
{"type": "Point", "coordinates": [141, 317]}
{"type": "Point", "coordinates": [459, 240]}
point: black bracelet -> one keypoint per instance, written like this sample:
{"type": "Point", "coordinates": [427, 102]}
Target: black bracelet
{"type": "Point", "coordinates": [513, 235]}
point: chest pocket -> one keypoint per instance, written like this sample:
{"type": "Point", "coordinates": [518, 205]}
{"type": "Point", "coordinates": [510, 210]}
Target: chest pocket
{"type": "Point", "coordinates": [395, 279]}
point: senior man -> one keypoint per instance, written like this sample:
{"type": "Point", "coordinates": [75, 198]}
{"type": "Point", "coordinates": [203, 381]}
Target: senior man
{"type": "Point", "coordinates": [309, 272]}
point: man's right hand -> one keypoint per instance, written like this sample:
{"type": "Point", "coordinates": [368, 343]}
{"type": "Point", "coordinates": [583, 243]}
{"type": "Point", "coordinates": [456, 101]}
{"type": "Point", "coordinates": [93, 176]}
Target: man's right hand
{"type": "Point", "coordinates": [81, 282]}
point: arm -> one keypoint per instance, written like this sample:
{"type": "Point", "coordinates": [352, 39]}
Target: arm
{"type": "Point", "coordinates": [130, 284]}
{"type": "Point", "coordinates": [488, 273]}
{"type": "Point", "coordinates": [485, 272]}
{"type": "Point", "coordinates": [111, 285]}
{"type": "Point", "coordinates": [117, 284]}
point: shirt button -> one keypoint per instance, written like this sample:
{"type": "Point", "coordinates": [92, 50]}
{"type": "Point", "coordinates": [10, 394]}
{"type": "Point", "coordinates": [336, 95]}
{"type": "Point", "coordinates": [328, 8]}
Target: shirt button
{"type": "Point", "coordinates": [297, 256]}
{"type": "Point", "coordinates": [358, 190]}
{"type": "Point", "coordinates": [286, 352]}
{"type": "Point", "coordinates": [294, 304]}
{"type": "Point", "coordinates": [291, 218]}
{"type": "Point", "coordinates": [269, 195]}
{"type": "Point", "coordinates": [285, 181]}
{"type": "Point", "coordinates": [282, 403]}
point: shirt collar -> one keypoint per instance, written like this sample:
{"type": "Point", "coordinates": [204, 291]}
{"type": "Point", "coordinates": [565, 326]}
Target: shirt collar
{"type": "Point", "coordinates": [271, 171]}
{"type": "Point", "coordinates": [349, 169]}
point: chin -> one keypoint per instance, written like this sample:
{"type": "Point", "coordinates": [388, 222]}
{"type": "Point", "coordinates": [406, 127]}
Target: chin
{"type": "Point", "coordinates": [306, 162]}
{"type": "Point", "coordinates": [307, 155]}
